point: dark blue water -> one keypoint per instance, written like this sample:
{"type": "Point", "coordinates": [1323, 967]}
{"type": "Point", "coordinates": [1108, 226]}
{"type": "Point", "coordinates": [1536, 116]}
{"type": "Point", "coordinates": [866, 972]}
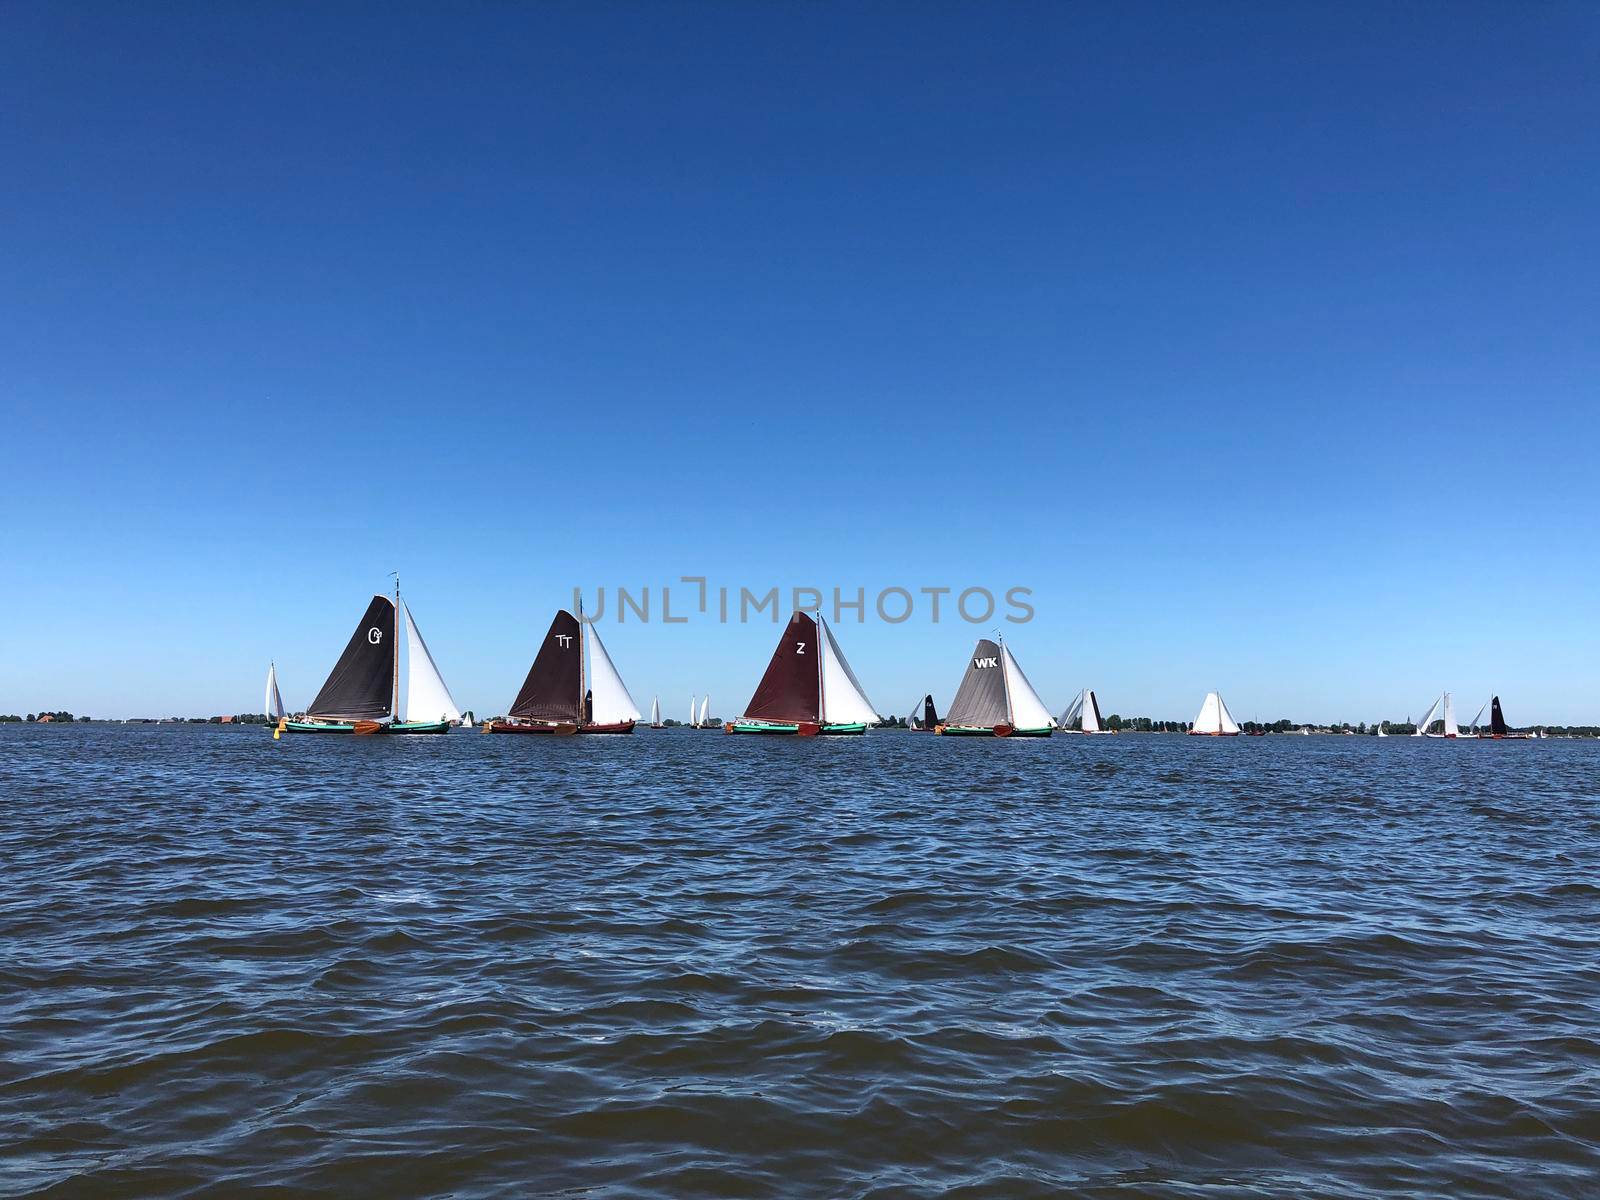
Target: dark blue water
{"type": "Point", "coordinates": [683, 964]}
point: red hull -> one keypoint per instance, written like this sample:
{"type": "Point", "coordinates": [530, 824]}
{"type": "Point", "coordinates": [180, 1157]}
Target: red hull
{"type": "Point", "coordinates": [619, 727]}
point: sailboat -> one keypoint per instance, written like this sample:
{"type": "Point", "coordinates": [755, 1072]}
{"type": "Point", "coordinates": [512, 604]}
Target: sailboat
{"type": "Point", "coordinates": [363, 693]}
{"type": "Point", "coordinates": [274, 697]}
{"type": "Point", "coordinates": [655, 713]}
{"type": "Point", "coordinates": [1214, 720]}
{"type": "Point", "coordinates": [1498, 729]}
{"type": "Point", "coordinates": [1083, 715]}
{"type": "Point", "coordinates": [703, 721]}
{"type": "Point", "coordinates": [1445, 704]}
{"type": "Point", "coordinates": [572, 687]}
{"type": "Point", "coordinates": [995, 698]}
{"type": "Point", "coordinates": [808, 687]}
{"type": "Point", "coordinates": [1382, 732]}
{"type": "Point", "coordinates": [924, 717]}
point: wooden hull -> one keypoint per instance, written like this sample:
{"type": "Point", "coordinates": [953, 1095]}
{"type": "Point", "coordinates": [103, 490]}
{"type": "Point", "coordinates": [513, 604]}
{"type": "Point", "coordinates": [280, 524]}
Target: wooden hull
{"type": "Point", "coordinates": [619, 727]}
{"type": "Point", "coordinates": [531, 727]}
{"type": "Point", "coordinates": [366, 728]}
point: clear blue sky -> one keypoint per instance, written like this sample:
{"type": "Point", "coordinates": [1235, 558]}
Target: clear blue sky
{"type": "Point", "coordinates": [1259, 340]}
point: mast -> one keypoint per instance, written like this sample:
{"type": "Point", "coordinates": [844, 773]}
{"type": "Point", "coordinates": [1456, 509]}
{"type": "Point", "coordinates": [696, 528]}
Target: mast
{"type": "Point", "coordinates": [822, 650]}
{"type": "Point", "coordinates": [394, 706]}
{"type": "Point", "coordinates": [583, 664]}
{"type": "Point", "coordinates": [1004, 682]}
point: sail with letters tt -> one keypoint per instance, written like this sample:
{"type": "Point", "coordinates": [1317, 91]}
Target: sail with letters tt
{"type": "Point", "coordinates": [572, 687]}
{"type": "Point", "coordinates": [1083, 715]}
{"type": "Point", "coordinates": [274, 697]}
{"type": "Point", "coordinates": [1214, 720]}
{"type": "Point", "coordinates": [362, 694]}
{"type": "Point", "coordinates": [995, 698]}
{"type": "Point", "coordinates": [924, 717]}
{"type": "Point", "coordinates": [808, 687]}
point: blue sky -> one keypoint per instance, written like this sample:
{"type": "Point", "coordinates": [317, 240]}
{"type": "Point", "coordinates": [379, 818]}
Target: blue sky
{"type": "Point", "coordinates": [1259, 341]}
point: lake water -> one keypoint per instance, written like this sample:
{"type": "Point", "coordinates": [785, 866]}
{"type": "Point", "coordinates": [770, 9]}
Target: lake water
{"type": "Point", "coordinates": [683, 964]}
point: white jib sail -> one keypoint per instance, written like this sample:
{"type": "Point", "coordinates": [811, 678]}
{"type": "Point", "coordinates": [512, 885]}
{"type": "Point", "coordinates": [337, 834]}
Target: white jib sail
{"type": "Point", "coordinates": [274, 697]}
{"type": "Point", "coordinates": [1427, 718]}
{"type": "Point", "coordinates": [705, 709]}
{"type": "Point", "coordinates": [1228, 724]}
{"type": "Point", "coordinates": [843, 700]}
{"type": "Point", "coordinates": [1073, 717]}
{"type": "Point", "coordinates": [1210, 718]}
{"type": "Point", "coordinates": [612, 704]}
{"type": "Point", "coordinates": [1450, 728]}
{"type": "Point", "coordinates": [691, 708]}
{"type": "Point", "coordinates": [426, 697]}
{"type": "Point", "coordinates": [655, 710]}
{"type": "Point", "coordinates": [1091, 712]}
{"type": "Point", "coordinates": [1027, 710]}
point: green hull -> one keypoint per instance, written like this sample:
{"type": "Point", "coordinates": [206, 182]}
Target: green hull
{"type": "Point", "coordinates": [781, 727]}
{"type": "Point", "coordinates": [346, 727]}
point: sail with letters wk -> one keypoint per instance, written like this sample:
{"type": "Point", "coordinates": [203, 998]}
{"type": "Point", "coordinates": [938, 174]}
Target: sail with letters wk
{"type": "Point", "coordinates": [572, 686]}
{"type": "Point", "coordinates": [995, 698]}
{"type": "Point", "coordinates": [808, 688]}
{"type": "Point", "coordinates": [371, 690]}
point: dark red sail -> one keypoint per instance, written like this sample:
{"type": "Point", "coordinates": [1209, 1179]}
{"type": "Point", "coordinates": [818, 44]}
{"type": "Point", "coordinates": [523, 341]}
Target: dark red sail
{"type": "Point", "coordinates": [790, 691]}
{"type": "Point", "coordinates": [553, 689]}
{"type": "Point", "coordinates": [361, 685]}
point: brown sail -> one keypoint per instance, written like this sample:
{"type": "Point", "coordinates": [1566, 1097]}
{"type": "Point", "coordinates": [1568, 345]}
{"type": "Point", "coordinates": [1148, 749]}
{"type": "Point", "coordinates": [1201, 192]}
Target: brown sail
{"type": "Point", "coordinates": [790, 691]}
{"type": "Point", "coordinates": [361, 685]}
{"type": "Point", "coordinates": [552, 690]}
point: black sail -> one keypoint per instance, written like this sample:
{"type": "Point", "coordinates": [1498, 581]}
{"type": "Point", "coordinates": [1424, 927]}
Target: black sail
{"type": "Point", "coordinates": [930, 716]}
{"type": "Point", "coordinates": [361, 685]}
{"type": "Point", "coordinates": [1497, 719]}
{"type": "Point", "coordinates": [790, 691]}
{"type": "Point", "coordinates": [1099, 722]}
{"type": "Point", "coordinates": [981, 700]}
{"type": "Point", "coordinates": [554, 685]}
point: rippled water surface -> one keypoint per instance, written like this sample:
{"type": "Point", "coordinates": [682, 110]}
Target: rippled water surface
{"type": "Point", "coordinates": [683, 964]}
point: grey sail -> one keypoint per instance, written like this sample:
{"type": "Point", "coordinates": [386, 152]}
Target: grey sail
{"type": "Point", "coordinates": [981, 700]}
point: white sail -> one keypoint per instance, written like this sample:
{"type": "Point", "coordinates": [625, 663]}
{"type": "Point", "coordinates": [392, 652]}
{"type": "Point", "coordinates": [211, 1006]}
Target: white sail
{"type": "Point", "coordinates": [1427, 717]}
{"type": "Point", "coordinates": [655, 710]}
{"type": "Point", "coordinates": [1450, 728]}
{"type": "Point", "coordinates": [274, 697]}
{"type": "Point", "coordinates": [1073, 717]}
{"type": "Point", "coordinates": [844, 702]}
{"type": "Point", "coordinates": [1027, 710]}
{"type": "Point", "coordinates": [705, 710]}
{"type": "Point", "coordinates": [1229, 725]}
{"type": "Point", "coordinates": [1210, 718]}
{"type": "Point", "coordinates": [692, 699]}
{"type": "Point", "coordinates": [612, 704]}
{"type": "Point", "coordinates": [1091, 712]}
{"type": "Point", "coordinates": [426, 697]}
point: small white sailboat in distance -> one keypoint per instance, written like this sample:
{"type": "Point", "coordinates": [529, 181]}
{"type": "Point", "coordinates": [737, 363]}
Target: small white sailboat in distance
{"type": "Point", "coordinates": [693, 701]}
{"type": "Point", "coordinates": [655, 712]}
{"type": "Point", "coordinates": [705, 711]}
{"type": "Point", "coordinates": [274, 697]}
{"type": "Point", "coordinates": [1214, 720]}
{"type": "Point", "coordinates": [1447, 707]}
{"type": "Point", "coordinates": [1083, 715]}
